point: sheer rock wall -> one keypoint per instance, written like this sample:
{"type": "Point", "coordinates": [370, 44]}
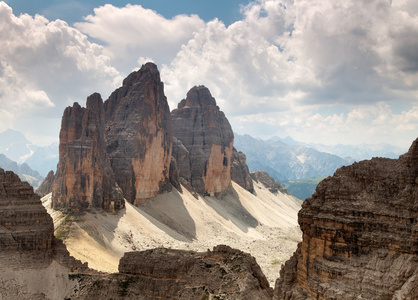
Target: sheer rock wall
{"type": "Point", "coordinates": [360, 234]}
{"type": "Point", "coordinates": [84, 177]}
{"type": "Point", "coordinates": [139, 134]}
{"type": "Point", "coordinates": [204, 143]}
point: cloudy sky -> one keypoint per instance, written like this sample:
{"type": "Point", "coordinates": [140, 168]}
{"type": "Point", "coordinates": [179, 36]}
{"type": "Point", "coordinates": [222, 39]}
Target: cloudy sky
{"type": "Point", "coordinates": [321, 71]}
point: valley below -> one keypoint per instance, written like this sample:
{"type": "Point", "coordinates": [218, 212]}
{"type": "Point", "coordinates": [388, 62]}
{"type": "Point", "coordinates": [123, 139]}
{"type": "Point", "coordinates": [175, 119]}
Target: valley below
{"type": "Point", "coordinates": [263, 224]}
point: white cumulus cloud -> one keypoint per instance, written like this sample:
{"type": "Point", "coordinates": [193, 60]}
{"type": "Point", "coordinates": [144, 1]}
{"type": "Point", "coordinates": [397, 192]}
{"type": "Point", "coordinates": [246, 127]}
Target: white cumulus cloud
{"type": "Point", "coordinates": [318, 70]}
{"type": "Point", "coordinates": [44, 67]}
{"type": "Point", "coordinates": [287, 60]}
{"type": "Point", "coordinates": [133, 32]}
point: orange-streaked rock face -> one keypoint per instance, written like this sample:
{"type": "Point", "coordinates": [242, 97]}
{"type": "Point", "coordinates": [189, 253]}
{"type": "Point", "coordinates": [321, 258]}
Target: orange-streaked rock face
{"type": "Point", "coordinates": [84, 178]}
{"type": "Point", "coordinates": [204, 143]}
{"type": "Point", "coordinates": [360, 234]}
{"type": "Point", "coordinates": [139, 135]}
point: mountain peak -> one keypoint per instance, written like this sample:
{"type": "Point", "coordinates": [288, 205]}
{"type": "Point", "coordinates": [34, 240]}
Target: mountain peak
{"type": "Point", "coordinates": [198, 96]}
{"type": "Point", "coordinates": [149, 71]}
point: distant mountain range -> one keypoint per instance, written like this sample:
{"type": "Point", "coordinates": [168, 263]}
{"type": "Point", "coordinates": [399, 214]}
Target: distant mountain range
{"type": "Point", "coordinates": [17, 148]}
{"type": "Point", "coordinates": [302, 188]}
{"type": "Point", "coordinates": [44, 159]}
{"type": "Point", "coordinates": [286, 162]}
{"type": "Point", "coordinates": [23, 170]}
{"type": "Point", "coordinates": [350, 152]}
{"type": "Point", "coordinates": [300, 166]}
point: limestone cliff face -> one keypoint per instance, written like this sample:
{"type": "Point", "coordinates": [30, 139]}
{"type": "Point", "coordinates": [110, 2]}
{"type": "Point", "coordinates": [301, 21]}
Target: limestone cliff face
{"type": "Point", "coordinates": [84, 178]}
{"type": "Point", "coordinates": [204, 142]}
{"type": "Point", "coordinates": [139, 134]}
{"type": "Point", "coordinates": [360, 235]}
{"type": "Point", "coordinates": [240, 172]}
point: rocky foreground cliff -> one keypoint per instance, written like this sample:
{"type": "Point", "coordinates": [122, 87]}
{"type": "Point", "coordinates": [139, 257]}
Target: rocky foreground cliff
{"type": "Point", "coordinates": [33, 263]}
{"type": "Point", "coordinates": [360, 235]}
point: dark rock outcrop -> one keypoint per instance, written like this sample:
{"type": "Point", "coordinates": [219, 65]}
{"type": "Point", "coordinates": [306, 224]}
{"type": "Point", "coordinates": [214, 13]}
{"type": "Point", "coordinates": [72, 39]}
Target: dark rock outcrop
{"type": "Point", "coordinates": [26, 229]}
{"type": "Point", "coordinates": [25, 224]}
{"type": "Point", "coordinates": [84, 177]}
{"type": "Point", "coordinates": [139, 135]}
{"type": "Point", "coordinates": [240, 172]}
{"type": "Point", "coordinates": [47, 185]}
{"type": "Point", "coordinates": [268, 181]}
{"type": "Point", "coordinates": [179, 274]}
{"type": "Point", "coordinates": [204, 143]}
{"type": "Point", "coordinates": [360, 234]}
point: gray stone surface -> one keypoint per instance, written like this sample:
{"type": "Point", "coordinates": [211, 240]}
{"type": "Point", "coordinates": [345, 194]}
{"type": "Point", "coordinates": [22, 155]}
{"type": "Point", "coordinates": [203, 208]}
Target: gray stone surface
{"type": "Point", "coordinates": [139, 134]}
{"type": "Point", "coordinates": [205, 141]}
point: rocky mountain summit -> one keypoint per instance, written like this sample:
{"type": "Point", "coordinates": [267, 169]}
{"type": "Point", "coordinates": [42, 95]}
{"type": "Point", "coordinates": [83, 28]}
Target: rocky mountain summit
{"type": "Point", "coordinates": [47, 185]}
{"type": "Point", "coordinates": [139, 134]}
{"type": "Point", "coordinates": [25, 224]}
{"type": "Point", "coordinates": [84, 177]}
{"type": "Point", "coordinates": [360, 234]}
{"type": "Point", "coordinates": [223, 273]}
{"type": "Point", "coordinates": [204, 143]}
{"type": "Point", "coordinates": [240, 172]}
{"type": "Point", "coordinates": [132, 147]}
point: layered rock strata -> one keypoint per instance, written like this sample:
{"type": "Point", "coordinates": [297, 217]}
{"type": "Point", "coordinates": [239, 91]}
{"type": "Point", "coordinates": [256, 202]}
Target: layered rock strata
{"type": "Point", "coordinates": [204, 143]}
{"type": "Point", "coordinates": [84, 177]}
{"type": "Point", "coordinates": [24, 223]}
{"type": "Point", "coordinates": [26, 229]}
{"type": "Point", "coordinates": [179, 274]}
{"type": "Point", "coordinates": [360, 235]}
{"type": "Point", "coordinates": [139, 134]}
